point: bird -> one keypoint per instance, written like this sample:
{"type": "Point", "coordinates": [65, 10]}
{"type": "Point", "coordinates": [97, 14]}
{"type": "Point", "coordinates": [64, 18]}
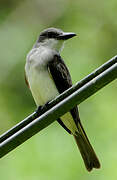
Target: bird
{"type": "Point", "coordinates": [47, 76]}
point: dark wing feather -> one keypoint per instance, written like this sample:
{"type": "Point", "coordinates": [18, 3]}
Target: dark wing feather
{"type": "Point", "coordinates": [62, 79]}
{"type": "Point", "coordinates": [60, 73]}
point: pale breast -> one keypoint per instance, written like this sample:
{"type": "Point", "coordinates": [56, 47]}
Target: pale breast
{"type": "Point", "coordinates": [40, 81]}
{"type": "Point", "coordinates": [42, 86]}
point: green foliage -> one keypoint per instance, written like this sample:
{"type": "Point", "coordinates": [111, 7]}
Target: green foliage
{"type": "Point", "coordinates": [52, 154]}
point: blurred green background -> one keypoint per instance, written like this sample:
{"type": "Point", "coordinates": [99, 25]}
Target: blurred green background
{"type": "Point", "coordinates": [52, 154]}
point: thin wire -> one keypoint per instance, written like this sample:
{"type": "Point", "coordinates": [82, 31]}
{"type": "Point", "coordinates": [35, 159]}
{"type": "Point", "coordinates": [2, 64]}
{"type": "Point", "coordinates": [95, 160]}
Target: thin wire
{"type": "Point", "coordinates": [58, 110]}
{"type": "Point", "coordinates": [75, 87]}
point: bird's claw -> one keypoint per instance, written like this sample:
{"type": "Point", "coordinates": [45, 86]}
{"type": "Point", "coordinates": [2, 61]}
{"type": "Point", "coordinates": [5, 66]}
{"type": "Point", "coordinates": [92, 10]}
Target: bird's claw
{"type": "Point", "coordinates": [40, 109]}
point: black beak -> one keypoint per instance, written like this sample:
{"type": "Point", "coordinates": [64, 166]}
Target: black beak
{"type": "Point", "coordinates": [66, 36]}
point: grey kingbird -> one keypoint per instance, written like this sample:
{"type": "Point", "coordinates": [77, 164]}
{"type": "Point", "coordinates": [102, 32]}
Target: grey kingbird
{"type": "Point", "coordinates": [47, 76]}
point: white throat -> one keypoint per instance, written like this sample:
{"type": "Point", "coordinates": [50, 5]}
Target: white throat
{"type": "Point", "coordinates": [53, 44]}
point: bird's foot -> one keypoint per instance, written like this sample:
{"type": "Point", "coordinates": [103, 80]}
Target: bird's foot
{"type": "Point", "coordinates": [41, 109]}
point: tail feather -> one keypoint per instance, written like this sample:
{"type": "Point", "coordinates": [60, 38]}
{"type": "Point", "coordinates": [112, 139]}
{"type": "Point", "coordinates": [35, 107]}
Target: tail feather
{"type": "Point", "coordinates": [90, 159]}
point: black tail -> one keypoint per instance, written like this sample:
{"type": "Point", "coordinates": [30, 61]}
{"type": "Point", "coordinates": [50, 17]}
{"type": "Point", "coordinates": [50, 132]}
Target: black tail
{"type": "Point", "coordinates": [90, 159]}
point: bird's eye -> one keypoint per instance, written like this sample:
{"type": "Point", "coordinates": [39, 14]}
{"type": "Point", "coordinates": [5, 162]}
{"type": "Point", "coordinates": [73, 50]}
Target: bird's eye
{"type": "Point", "coordinates": [52, 35]}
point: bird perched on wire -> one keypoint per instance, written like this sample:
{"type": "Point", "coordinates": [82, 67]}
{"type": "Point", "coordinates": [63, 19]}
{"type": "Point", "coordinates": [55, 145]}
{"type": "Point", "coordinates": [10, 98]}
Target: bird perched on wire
{"type": "Point", "coordinates": [47, 76]}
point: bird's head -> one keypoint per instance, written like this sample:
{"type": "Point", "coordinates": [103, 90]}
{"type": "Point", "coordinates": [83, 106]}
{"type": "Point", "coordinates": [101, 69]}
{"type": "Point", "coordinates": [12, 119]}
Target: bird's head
{"type": "Point", "coordinates": [54, 38]}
